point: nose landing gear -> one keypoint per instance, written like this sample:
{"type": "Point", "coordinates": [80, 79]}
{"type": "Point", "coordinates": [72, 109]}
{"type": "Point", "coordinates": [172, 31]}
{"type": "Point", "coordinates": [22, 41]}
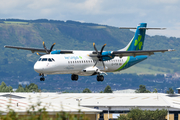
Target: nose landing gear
{"type": "Point", "coordinates": [42, 77]}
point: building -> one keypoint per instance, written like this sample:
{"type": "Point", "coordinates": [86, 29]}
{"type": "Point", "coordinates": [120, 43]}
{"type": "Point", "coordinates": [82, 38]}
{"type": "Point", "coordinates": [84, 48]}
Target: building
{"type": "Point", "coordinates": [97, 106]}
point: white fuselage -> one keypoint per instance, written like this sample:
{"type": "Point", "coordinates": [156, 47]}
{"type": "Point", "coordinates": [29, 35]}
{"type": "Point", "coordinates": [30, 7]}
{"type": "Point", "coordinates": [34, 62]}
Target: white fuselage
{"type": "Point", "coordinates": [78, 63]}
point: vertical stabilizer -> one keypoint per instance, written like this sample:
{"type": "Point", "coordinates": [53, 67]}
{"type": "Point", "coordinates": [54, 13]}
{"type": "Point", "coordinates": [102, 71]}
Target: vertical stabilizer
{"type": "Point", "coordinates": [137, 41]}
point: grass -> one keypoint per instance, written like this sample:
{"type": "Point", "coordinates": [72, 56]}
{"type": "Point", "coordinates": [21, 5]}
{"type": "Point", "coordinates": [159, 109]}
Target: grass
{"type": "Point", "coordinates": [15, 22]}
{"type": "Point", "coordinates": [175, 58]}
{"type": "Point", "coordinates": [97, 27]}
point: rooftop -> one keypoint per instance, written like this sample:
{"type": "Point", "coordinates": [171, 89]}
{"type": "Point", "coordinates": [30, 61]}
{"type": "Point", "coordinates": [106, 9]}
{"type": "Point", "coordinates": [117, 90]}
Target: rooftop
{"type": "Point", "coordinates": [86, 102]}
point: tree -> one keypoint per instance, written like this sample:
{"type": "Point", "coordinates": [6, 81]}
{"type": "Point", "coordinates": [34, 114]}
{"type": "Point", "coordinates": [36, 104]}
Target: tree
{"type": "Point", "coordinates": [155, 90]}
{"type": "Point", "coordinates": [5, 88]}
{"type": "Point", "coordinates": [170, 91]}
{"type": "Point", "coordinates": [108, 89]}
{"type": "Point", "coordinates": [86, 90]}
{"type": "Point", "coordinates": [142, 89]}
{"type": "Point", "coordinates": [32, 87]}
{"type": "Point", "coordinates": [159, 114]}
{"type": "Point", "coordinates": [138, 114]}
{"type": "Point", "coordinates": [20, 89]}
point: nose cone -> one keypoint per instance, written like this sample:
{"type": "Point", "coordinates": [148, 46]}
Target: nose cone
{"type": "Point", "coordinates": [38, 67]}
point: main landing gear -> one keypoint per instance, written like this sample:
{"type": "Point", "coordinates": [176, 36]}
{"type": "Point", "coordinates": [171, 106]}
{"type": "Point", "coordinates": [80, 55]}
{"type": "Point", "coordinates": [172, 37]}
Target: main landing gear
{"type": "Point", "coordinates": [74, 77]}
{"type": "Point", "coordinates": [42, 77]}
{"type": "Point", "coordinates": [100, 78]}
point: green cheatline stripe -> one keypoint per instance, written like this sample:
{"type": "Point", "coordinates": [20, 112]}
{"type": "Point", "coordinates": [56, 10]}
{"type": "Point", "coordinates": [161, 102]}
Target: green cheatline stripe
{"type": "Point", "coordinates": [123, 64]}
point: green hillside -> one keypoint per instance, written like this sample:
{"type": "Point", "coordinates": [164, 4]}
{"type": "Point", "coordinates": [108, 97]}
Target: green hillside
{"type": "Point", "coordinates": [76, 36]}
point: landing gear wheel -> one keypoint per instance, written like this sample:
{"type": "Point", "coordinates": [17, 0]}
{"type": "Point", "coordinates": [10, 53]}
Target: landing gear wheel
{"type": "Point", "coordinates": [42, 78]}
{"type": "Point", "coordinates": [100, 78]}
{"type": "Point", "coordinates": [74, 77]}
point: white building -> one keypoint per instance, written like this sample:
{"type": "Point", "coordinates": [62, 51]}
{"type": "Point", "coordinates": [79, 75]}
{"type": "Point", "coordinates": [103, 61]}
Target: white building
{"type": "Point", "coordinates": [95, 105]}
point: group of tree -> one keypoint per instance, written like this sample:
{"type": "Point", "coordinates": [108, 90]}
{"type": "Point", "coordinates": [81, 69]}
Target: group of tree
{"type": "Point", "coordinates": [138, 114]}
{"type": "Point", "coordinates": [106, 90]}
{"type": "Point", "coordinates": [5, 88]}
{"type": "Point", "coordinates": [28, 88]}
{"type": "Point", "coordinates": [170, 91]}
{"type": "Point", "coordinates": [142, 89]}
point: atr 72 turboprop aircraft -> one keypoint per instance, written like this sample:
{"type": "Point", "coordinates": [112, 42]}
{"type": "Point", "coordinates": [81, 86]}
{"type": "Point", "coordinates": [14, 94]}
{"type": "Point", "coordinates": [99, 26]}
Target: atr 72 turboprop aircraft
{"type": "Point", "coordinates": [88, 63]}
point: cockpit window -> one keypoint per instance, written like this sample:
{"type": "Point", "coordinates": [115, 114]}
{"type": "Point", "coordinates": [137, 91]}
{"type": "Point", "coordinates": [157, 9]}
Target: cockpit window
{"type": "Point", "coordinates": [44, 59]}
{"type": "Point", "coordinates": [39, 59]}
{"type": "Point", "coordinates": [49, 59]}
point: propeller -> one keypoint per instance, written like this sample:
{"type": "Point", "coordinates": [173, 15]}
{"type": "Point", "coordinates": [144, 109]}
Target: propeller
{"type": "Point", "coordinates": [47, 51]}
{"type": "Point", "coordinates": [99, 55]}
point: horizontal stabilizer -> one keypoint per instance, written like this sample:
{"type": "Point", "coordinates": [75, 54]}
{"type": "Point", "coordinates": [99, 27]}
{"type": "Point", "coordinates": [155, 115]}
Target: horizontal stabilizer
{"type": "Point", "coordinates": [127, 28]}
{"type": "Point", "coordinates": [142, 28]}
{"type": "Point", "coordinates": [152, 28]}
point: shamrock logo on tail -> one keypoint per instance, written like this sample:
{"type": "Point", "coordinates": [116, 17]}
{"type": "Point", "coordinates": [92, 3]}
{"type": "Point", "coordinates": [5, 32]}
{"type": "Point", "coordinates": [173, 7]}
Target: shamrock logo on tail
{"type": "Point", "coordinates": [138, 43]}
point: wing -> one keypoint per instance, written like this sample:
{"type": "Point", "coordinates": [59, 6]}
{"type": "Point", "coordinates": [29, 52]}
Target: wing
{"type": "Point", "coordinates": [42, 50]}
{"type": "Point", "coordinates": [27, 48]}
{"type": "Point", "coordinates": [128, 53]}
{"type": "Point", "coordinates": [138, 52]}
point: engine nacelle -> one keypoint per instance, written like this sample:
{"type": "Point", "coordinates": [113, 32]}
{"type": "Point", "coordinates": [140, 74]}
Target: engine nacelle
{"type": "Point", "coordinates": [107, 55]}
{"type": "Point", "coordinates": [90, 69]}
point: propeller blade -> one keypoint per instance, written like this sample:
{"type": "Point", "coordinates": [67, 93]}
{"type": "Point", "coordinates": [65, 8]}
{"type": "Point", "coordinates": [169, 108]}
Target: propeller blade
{"type": "Point", "coordinates": [45, 48]}
{"type": "Point", "coordinates": [109, 56]}
{"type": "Point", "coordinates": [40, 54]}
{"type": "Point", "coordinates": [95, 48]}
{"type": "Point", "coordinates": [95, 64]}
{"type": "Point", "coordinates": [99, 55]}
{"type": "Point", "coordinates": [103, 65]}
{"type": "Point", "coordinates": [102, 49]}
{"type": "Point", "coordinates": [51, 47]}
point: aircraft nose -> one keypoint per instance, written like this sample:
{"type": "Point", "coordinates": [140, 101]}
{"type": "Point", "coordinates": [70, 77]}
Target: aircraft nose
{"type": "Point", "coordinates": [38, 68]}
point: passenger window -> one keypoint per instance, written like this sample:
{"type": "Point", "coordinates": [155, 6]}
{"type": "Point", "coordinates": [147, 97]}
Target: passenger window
{"type": "Point", "coordinates": [44, 59]}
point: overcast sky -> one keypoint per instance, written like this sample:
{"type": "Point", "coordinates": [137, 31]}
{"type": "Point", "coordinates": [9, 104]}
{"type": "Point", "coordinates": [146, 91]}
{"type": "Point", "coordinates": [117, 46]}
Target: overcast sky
{"type": "Point", "coordinates": [118, 13]}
